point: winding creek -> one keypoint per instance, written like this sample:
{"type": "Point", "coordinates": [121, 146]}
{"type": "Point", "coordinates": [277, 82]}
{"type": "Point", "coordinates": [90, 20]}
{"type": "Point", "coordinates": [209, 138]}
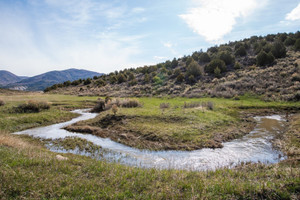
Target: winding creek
{"type": "Point", "coordinates": [254, 147]}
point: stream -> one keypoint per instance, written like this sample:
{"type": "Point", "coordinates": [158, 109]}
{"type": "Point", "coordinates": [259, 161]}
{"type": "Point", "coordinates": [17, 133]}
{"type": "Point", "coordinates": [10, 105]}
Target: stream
{"type": "Point", "coordinates": [253, 147]}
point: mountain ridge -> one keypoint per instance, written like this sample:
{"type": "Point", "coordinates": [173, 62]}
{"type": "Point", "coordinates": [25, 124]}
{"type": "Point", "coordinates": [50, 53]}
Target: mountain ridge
{"type": "Point", "coordinates": [44, 80]}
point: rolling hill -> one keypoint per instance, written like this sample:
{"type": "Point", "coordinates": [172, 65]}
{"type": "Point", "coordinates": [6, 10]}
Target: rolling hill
{"type": "Point", "coordinates": [7, 77]}
{"type": "Point", "coordinates": [268, 67]}
{"type": "Point", "coordinates": [42, 81]}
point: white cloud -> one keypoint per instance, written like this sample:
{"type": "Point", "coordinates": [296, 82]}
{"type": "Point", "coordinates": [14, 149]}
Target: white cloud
{"type": "Point", "coordinates": [70, 34]}
{"type": "Point", "coordinates": [138, 10]}
{"type": "Point", "coordinates": [160, 58]}
{"type": "Point", "coordinates": [215, 18]}
{"type": "Point", "coordinates": [294, 14]}
{"type": "Point", "coordinates": [168, 44]}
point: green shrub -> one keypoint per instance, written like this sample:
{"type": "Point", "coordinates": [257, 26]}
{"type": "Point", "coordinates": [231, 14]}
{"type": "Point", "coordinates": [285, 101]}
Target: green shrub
{"type": "Point", "coordinates": [193, 69]}
{"type": "Point", "coordinates": [113, 79]}
{"type": "Point", "coordinates": [87, 81]}
{"type": "Point", "coordinates": [241, 51]}
{"type": "Point", "coordinates": [226, 57]}
{"type": "Point", "coordinates": [212, 49]}
{"type": "Point", "coordinates": [204, 57]}
{"type": "Point", "coordinates": [289, 41]}
{"type": "Point", "coordinates": [133, 82]}
{"type": "Point", "coordinates": [278, 50]}
{"type": "Point", "coordinates": [176, 72]}
{"type": "Point", "coordinates": [100, 82]}
{"type": "Point", "coordinates": [191, 79]}
{"type": "Point", "coordinates": [157, 80]}
{"type": "Point", "coordinates": [130, 76]}
{"type": "Point", "coordinates": [217, 72]}
{"type": "Point", "coordinates": [189, 61]}
{"type": "Point", "coordinates": [237, 65]}
{"type": "Point", "coordinates": [264, 58]}
{"type": "Point", "coordinates": [257, 48]}
{"type": "Point", "coordinates": [180, 78]}
{"type": "Point", "coordinates": [174, 63]}
{"type": "Point", "coordinates": [121, 78]}
{"type": "Point", "coordinates": [210, 68]}
{"type": "Point", "coordinates": [267, 48]}
{"type": "Point", "coordinates": [32, 107]}
{"type": "Point", "coordinates": [146, 78]}
{"type": "Point", "coordinates": [76, 82]}
{"type": "Point", "coordinates": [297, 45]}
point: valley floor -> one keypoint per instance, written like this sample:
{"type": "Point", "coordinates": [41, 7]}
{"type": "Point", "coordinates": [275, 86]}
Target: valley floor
{"type": "Point", "coordinates": [29, 170]}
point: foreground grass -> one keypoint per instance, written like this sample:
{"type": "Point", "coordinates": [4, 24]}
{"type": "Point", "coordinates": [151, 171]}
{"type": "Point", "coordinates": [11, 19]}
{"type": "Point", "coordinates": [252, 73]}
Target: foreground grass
{"type": "Point", "coordinates": [149, 127]}
{"type": "Point", "coordinates": [28, 171]}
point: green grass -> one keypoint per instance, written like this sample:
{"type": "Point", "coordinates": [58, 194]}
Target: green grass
{"type": "Point", "coordinates": [59, 111]}
{"type": "Point", "coordinates": [29, 171]}
{"type": "Point", "coordinates": [185, 128]}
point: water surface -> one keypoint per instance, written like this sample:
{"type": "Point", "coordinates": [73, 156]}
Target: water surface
{"type": "Point", "coordinates": [254, 147]}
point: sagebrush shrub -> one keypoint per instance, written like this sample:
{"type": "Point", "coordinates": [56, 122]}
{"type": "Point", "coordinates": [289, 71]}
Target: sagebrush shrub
{"type": "Point", "coordinates": [130, 103]}
{"type": "Point", "coordinates": [99, 107]}
{"type": "Point", "coordinates": [32, 107]}
{"type": "Point", "coordinates": [164, 106]}
{"type": "Point", "coordinates": [191, 105]}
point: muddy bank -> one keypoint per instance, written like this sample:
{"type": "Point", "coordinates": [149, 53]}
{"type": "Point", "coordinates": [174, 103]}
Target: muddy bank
{"type": "Point", "coordinates": [111, 126]}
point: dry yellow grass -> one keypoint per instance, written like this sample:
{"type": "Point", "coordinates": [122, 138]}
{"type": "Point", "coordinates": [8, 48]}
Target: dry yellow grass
{"type": "Point", "coordinates": [9, 140]}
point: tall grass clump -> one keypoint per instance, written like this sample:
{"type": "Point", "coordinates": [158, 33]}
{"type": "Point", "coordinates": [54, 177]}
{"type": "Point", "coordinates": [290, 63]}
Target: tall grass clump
{"type": "Point", "coordinates": [191, 105]}
{"type": "Point", "coordinates": [32, 107]}
{"type": "Point", "coordinates": [2, 103]}
{"type": "Point", "coordinates": [99, 107]}
{"type": "Point", "coordinates": [130, 103]}
{"type": "Point", "coordinates": [210, 105]}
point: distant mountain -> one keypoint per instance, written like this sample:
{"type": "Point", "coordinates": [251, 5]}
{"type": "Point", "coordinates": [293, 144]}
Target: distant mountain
{"type": "Point", "coordinates": [42, 81]}
{"type": "Point", "coordinates": [7, 77]}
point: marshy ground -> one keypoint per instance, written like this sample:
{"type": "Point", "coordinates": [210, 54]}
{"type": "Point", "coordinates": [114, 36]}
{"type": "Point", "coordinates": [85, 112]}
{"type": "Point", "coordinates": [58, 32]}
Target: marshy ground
{"type": "Point", "coordinates": [29, 170]}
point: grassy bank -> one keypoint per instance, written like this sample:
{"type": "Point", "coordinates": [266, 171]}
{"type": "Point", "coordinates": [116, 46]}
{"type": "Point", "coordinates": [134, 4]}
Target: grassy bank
{"type": "Point", "coordinates": [184, 123]}
{"type": "Point", "coordinates": [60, 105]}
{"type": "Point", "coordinates": [29, 171]}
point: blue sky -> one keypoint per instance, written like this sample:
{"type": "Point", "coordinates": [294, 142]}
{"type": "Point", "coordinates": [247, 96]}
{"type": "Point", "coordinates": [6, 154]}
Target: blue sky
{"type": "Point", "coordinates": [37, 36]}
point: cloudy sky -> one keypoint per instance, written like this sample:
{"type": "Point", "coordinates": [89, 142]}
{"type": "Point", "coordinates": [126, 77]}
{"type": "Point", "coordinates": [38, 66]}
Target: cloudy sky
{"type": "Point", "coordinates": [37, 36]}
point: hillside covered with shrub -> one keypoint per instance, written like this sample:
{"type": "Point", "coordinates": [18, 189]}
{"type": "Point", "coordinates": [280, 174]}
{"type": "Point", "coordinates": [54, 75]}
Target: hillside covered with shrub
{"type": "Point", "coordinates": [268, 67]}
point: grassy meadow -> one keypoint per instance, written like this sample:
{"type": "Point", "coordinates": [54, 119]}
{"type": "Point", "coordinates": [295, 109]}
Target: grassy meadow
{"type": "Point", "coordinates": [30, 171]}
{"type": "Point", "coordinates": [184, 124]}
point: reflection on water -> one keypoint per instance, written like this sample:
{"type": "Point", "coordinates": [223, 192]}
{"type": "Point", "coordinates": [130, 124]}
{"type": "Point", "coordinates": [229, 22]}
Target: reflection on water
{"type": "Point", "coordinates": [254, 147]}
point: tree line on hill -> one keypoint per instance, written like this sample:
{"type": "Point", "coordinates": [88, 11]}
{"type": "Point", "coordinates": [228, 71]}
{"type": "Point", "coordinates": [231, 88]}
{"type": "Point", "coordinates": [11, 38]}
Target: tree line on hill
{"type": "Point", "coordinates": [215, 62]}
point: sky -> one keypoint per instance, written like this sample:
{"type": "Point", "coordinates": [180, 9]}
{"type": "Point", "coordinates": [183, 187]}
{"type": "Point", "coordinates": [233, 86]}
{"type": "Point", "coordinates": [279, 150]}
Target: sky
{"type": "Point", "coordinates": [37, 36]}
